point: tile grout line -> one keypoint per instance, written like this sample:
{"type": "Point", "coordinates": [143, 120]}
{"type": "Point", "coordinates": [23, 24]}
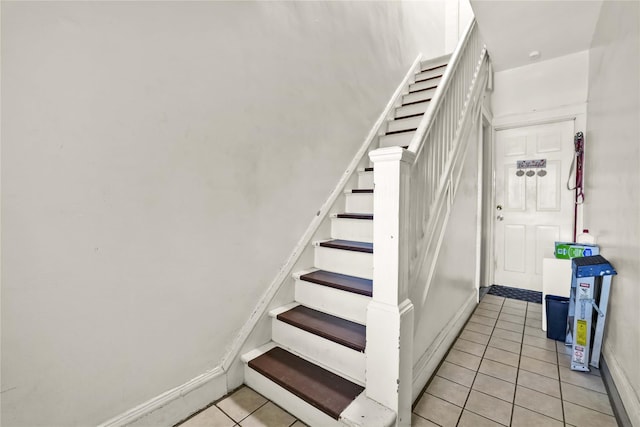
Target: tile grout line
{"type": "Point", "coordinates": [252, 412]}
{"type": "Point", "coordinates": [425, 390]}
{"type": "Point", "coordinates": [478, 370]}
{"type": "Point", "coordinates": [560, 385]}
{"type": "Point", "coordinates": [515, 389]}
{"type": "Point", "coordinates": [527, 311]}
{"type": "Point", "coordinates": [538, 391]}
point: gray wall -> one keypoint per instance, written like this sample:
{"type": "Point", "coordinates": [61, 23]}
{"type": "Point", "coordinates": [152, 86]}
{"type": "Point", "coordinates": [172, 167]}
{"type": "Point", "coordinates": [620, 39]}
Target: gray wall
{"type": "Point", "coordinates": [612, 205]}
{"type": "Point", "coordinates": [159, 162]}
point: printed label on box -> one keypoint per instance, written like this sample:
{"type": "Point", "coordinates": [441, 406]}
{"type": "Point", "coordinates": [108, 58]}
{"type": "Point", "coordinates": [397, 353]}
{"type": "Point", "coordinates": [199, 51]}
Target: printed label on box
{"type": "Point", "coordinates": [569, 250]}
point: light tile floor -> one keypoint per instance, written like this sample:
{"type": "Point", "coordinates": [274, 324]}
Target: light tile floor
{"type": "Point", "coordinates": [502, 370]}
{"type": "Point", "coordinates": [245, 408]}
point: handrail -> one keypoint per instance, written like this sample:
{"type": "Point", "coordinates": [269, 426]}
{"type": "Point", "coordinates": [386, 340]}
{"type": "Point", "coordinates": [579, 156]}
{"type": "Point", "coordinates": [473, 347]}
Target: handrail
{"type": "Point", "coordinates": [414, 191]}
{"type": "Point", "coordinates": [427, 120]}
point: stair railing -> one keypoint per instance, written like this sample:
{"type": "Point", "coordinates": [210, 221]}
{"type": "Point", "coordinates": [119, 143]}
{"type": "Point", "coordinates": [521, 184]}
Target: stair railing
{"type": "Point", "coordinates": [414, 190]}
{"type": "Point", "coordinates": [437, 144]}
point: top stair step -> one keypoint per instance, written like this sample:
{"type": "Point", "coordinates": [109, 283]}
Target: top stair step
{"type": "Point", "coordinates": [322, 389]}
{"type": "Point", "coordinates": [348, 245]}
{"type": "Point", "coordinates": [336, 329]}
{"type": "Point", "coordinates": [356, 285]}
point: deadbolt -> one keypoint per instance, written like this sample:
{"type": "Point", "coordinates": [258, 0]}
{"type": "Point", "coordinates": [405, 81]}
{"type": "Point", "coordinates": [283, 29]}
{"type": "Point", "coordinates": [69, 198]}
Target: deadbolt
{"type": "Point", "coordinates": [499, 207]}
{"type": "Point", "coordinates": [500, 218]}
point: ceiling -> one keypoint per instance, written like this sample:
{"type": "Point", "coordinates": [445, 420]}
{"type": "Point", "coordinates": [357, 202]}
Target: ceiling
{"type": "Point", "coordinates": [513, 29]}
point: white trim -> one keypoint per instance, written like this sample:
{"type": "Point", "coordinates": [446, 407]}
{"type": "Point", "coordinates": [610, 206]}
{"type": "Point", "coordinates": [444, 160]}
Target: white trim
{"type": "Point", "coordinates": [559, 114]}
{"type": "Point", "coordinates": [575, 112]}
{"type": "Point", "coordinates": [285, 272]}
{"type": "Point", "coordinates": [426, 365]}
{"type": "Point", "coordinates": [479, 212]}
{"type": "Point", "coordinates": [627, 394]}
{"type": "Point", "coordinates": [489, 173]}
{"type": "Point", "coordinates": [176, 404]}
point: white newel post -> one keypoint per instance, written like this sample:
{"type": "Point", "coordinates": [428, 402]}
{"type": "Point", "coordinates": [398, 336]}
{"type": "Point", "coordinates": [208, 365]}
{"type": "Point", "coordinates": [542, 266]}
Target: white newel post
{"type": "Point", "coordinates": [389, 349]}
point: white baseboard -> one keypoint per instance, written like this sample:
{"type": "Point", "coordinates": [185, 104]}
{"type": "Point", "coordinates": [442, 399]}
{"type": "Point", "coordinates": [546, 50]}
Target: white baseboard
{"type": "Point", "coordinates": [426, 365]}
{"type": "Point", "coordinates": [176, 404]}
{"type": "Point", "coordinates": [627, 394]}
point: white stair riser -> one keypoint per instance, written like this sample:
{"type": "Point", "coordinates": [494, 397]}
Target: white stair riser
{"type": "Point", "coordinates": [396, 140]}
{"type": "Point", "coordinates": [360, 230]}
{"type": "Point", "coordinates": [352, 263]}
{"type": "Point", "coordinates": [341, 360]}
{"type": "Point", "coordinates": [287, 400]}
{"type": "Point", "coordinates": [359, 203]}
{"type": "Point", "coordinates": [429, 74]}
{"type": "Point", "coordinates": [435, 62]}
{"type": "Point", "coordinates": [423, 95]}
{"type": "Point", "coordinates": [410, 110]}
{"type": "Point", "coordinates": [365, 179]}
{"type": "Point", "coordinates": [425, 84]}
{"type": "Point", "coordinates": [336, 302]}
{"type": "Point", "coordinates": [403, 124]}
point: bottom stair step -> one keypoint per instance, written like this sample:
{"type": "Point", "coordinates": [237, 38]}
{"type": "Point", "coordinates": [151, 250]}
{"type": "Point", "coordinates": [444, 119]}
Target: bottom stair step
{"type": "Point", "coordinates": [322, 389]}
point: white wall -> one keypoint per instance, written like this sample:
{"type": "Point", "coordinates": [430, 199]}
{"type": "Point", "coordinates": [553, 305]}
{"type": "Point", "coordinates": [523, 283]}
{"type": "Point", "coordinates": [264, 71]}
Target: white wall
{"type": "Point", "coordinates": [458, 14]}
{"type": "Point", "coordinates": [159, 162]}
{"type": "Point", "coordinates": [541, 85]}
{"type": "Point", "coordinates": [612, 206]}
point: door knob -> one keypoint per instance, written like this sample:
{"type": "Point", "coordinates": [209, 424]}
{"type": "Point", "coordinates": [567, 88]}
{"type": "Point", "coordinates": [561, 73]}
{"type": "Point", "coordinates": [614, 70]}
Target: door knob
{"type": "Point", "coordinates": [500, 218]}
{"type": "Point", "coordinates": [499, 207]}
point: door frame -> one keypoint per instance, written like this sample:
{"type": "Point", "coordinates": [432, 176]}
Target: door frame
{"type": "Point", "coordinates": [575, 112]}
{"type": "Point", "coordinates": [484, 249]}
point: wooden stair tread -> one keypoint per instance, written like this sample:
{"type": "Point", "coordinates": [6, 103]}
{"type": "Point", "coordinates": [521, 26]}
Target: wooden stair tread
{"type": "Point", "coordinates": [409, 116]}
{"type": "Point", "coordinates": [368, 169]}
{"type": "Point", "coordinates": [434, 68]}
{"type": "Point", "coordinates": [355, 216]}
{"type": "Point", "coordinates": [362, 190]}
{"type": "Point", "coordinates": [416, 102]}
{"type": "Point", "coordinates": [349, 245]}
{"type": "Point", "coordinates": [356, 285]}
{"type": "Point", "coordinates": [430, 78]}
{"type": "Point", "coordinates": [336, 329]}
{"type": "Point", "coordinates": [421, 90]}
{"type": "Point", "coordinates": [324, 390]}
{"type": "Point", "coordinates": [393, 132]}
{"type": "Point", "coordinates": [424, 90]}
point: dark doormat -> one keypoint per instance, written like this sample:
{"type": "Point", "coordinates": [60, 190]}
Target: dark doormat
{"type": "Point", "coordinates": [516, 293]}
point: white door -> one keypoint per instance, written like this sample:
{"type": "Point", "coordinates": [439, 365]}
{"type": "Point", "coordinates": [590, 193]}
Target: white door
{"type": "Point", "coordinates": [531, 212]}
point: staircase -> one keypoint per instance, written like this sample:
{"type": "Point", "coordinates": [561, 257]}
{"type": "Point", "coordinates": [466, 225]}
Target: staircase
{"type": "Point", "coordinates": [314, 366]}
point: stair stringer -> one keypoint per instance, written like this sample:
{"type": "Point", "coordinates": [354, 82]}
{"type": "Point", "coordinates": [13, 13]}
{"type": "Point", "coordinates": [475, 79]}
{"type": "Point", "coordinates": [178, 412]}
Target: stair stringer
{"type": "Point", "coordinates": [257, 329]}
